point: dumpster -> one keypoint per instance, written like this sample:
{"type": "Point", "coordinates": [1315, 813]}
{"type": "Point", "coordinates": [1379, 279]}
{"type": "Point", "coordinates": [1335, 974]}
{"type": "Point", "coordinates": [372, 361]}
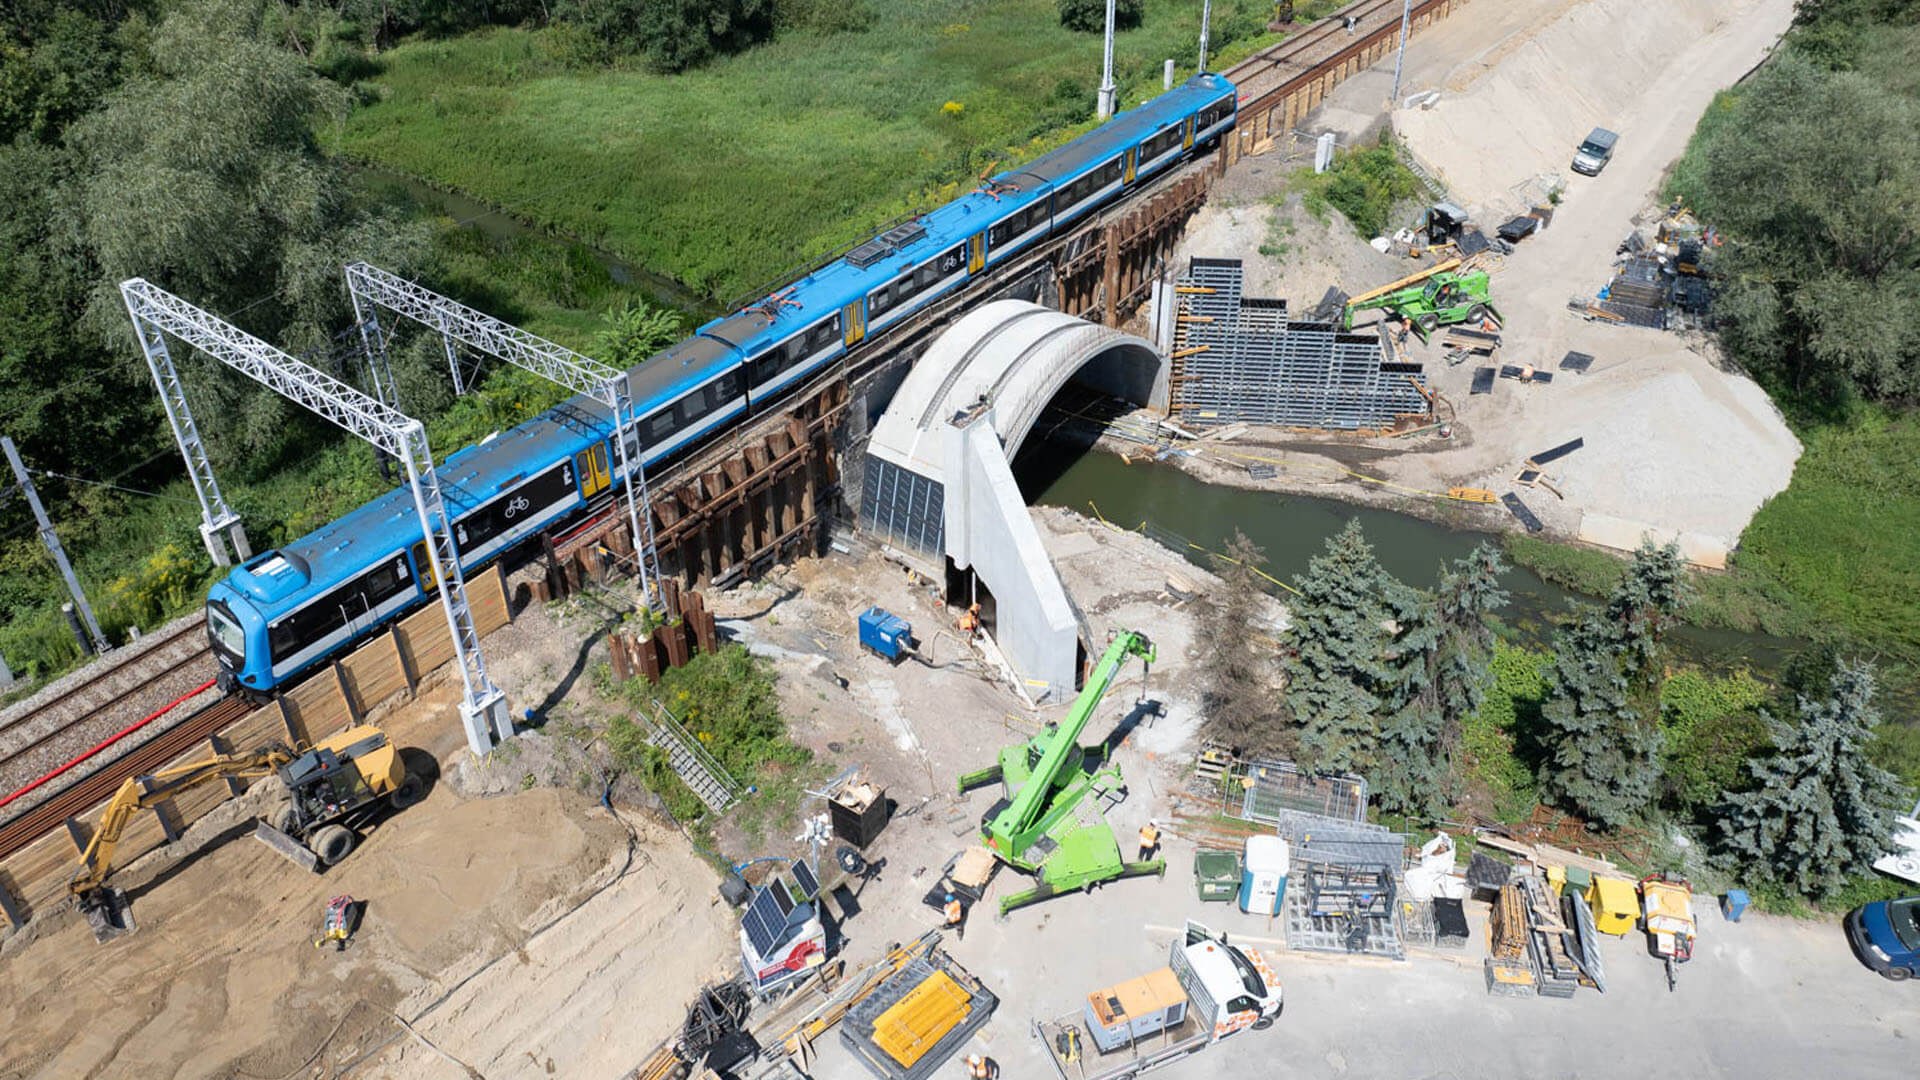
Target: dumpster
{"type": "Point", "coordinates": [1263, 875]}
{"type": "Point", "coordinates": [1615, 905]}
{"type": "Point", "coordinates": [888, 635]}
{"type": "Point", "coordinates": [858, 812]}
{"type": "Point", "coordinates": [1216, 874]}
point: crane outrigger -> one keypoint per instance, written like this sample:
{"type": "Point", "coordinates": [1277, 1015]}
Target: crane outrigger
{"type": "Point", "coordinates": [1051, 821]}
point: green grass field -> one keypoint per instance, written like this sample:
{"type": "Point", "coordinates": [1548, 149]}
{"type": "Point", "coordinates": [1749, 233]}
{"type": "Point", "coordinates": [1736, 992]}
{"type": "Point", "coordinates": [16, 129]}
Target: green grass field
{"type": "Point", "coordinates": [726, 176]}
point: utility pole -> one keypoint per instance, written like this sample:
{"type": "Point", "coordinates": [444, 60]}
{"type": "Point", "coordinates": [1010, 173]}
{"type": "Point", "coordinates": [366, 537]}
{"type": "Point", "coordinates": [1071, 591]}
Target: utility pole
{"type": "Point", "coordinates": [1106, 69]}
{"type": "Point", "coordinates": [1206, 21]}
{"type": "Point", "coordinates": [1399, 58]}
{"type": "Point", "coordinates": [52, 540]}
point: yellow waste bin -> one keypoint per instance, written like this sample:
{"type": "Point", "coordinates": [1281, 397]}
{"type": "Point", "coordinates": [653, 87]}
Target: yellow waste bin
{"type": "Point", "coordinates": [1615, 905]}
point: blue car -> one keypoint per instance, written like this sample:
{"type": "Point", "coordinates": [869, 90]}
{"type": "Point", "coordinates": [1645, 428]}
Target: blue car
{"type": "Point", "coordinates": [1886, 935]}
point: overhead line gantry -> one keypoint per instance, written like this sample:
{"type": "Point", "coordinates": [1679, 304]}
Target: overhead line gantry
{"type": "Point", "coordinates": [373, 288]}
{"type": "Point", "coordinates": [157, 313]}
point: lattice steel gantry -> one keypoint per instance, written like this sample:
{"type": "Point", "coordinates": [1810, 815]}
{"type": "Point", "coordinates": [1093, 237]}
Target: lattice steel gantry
{"type": "Point", "coordinates": [372, 286]}
{"type": "Point", "coordinates": [156, 313]}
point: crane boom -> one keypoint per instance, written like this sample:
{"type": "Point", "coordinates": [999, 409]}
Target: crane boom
{"type": "Point", "coordinates": [1008, 830]}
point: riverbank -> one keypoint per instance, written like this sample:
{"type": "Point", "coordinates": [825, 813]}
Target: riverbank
{"type": "Point", "coordinates": [1675, 445]}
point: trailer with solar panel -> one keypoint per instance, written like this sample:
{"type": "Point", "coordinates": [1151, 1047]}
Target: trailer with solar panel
{"type": "Point", "coordinates": [782, 937]}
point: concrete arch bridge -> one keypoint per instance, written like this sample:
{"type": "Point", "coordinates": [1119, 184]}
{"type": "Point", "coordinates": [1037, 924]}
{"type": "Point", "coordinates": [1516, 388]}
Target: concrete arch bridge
{"type": "Point", "coordinates": [938, 485]}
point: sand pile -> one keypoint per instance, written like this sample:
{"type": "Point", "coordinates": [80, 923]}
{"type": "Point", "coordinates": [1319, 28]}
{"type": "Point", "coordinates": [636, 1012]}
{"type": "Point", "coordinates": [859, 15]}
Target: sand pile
{"type": "Point", "coordinates": [1537, 93]}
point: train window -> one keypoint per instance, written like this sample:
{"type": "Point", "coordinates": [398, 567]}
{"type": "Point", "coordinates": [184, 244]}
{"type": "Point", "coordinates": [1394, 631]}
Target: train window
{"type": "Point", "coordinates": [823, 335]}
{"type": "Point", "coordinates": [658, 427]}
{"type": "Point", "coordinates": [1111, 171]}
{"type": "Point", "coordinates": [880, 300]}
{"type": "Point", "coordinates": [386, 581]}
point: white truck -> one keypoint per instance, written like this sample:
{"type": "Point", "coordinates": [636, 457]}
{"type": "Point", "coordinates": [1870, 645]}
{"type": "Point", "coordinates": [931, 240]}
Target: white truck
{"type": "Point", "coordinates": [1208, 991]}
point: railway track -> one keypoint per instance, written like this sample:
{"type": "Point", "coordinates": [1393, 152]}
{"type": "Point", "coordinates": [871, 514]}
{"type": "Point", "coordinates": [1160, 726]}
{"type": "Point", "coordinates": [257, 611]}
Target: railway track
{"type": "Point", "coordinates": [1325, 43]}
{"type": "Point", "coordinates": [104, 698]}
{"type": "Point", "coordinates": [91, 788]}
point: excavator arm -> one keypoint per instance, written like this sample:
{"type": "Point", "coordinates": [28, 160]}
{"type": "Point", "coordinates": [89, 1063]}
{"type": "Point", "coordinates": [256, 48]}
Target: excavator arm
{"type": "Point", "coordinates": [144, 792]}
{"type": "Point", "coordinates": [1007, 830]}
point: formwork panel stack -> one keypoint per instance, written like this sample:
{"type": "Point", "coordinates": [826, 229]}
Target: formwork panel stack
{"type": "Point", "coordinates": [1242, 359]}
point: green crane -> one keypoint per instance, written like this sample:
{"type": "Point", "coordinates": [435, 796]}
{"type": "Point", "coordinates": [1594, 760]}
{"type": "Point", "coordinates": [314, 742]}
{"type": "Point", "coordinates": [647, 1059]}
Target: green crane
{"type": "Point", "coordinates": [1430, 299]}
{"type": "Point", "coordinates": [1051, 822]}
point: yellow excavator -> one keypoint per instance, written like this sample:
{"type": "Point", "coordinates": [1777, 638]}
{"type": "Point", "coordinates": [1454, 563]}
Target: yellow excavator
{"type": "Point", "coordinates": [333, 789]}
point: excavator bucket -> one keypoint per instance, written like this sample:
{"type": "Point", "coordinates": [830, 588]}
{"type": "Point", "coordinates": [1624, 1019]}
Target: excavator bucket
{"type": "Point", "coordinates": [107, 911]}
{"type": "Point", "coordinates": [292, 850]}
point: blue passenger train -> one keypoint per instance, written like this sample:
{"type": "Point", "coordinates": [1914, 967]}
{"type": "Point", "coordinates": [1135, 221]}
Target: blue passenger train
{"type": "Point", "coordinates": [282, 612]}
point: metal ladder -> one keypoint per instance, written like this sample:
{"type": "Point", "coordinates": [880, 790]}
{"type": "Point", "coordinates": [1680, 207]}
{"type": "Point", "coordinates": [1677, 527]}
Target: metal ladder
{"type": "Point", "coordinates": [693, 765]}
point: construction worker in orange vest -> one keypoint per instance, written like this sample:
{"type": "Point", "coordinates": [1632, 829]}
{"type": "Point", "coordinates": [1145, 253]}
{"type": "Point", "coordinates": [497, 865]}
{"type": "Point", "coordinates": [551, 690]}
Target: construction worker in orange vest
{"type": "Point", "coordinates": [1149, 840]}
{"type": "Point", "coordinates": [980, 1067]}
{"type": "Point", "coordinates": [956, 916]}
{"type": "Point", "coordinates": [970, 621]}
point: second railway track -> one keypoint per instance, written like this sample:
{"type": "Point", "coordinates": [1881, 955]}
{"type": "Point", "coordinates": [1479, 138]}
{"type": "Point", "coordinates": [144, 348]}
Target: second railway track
{"type": "Point", "coordinates": [77, 795]}
{"type": "Point", "coordinates": [104, 697]}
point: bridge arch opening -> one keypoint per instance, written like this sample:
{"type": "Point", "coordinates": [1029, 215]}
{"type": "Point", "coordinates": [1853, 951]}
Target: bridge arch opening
{"type": "Point", "coordinates": [938, 485]}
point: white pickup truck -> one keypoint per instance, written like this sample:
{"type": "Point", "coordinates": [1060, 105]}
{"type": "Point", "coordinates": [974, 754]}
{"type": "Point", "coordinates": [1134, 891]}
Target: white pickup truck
{"type": "Point", "coordinates": [1208, 991]}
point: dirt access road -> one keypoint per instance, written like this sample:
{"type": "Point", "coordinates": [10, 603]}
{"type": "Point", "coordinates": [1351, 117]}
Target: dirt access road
{"type": "Point", "coordinates": [1675, 446]}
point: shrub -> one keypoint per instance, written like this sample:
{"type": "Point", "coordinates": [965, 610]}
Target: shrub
{"type": "Point", "coordinates": [1090, 16]}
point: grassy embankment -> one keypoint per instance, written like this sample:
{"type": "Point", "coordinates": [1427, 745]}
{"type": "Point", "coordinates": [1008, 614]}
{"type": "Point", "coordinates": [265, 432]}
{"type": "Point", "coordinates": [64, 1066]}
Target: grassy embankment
{"type": "Point", "coordinates": [725, 176]}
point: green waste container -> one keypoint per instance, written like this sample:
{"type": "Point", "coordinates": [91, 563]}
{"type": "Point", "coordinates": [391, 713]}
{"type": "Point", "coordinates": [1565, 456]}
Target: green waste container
{"type": "Point", "coordinates": [1216, 874]}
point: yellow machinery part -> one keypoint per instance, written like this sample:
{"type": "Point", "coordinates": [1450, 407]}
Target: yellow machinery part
{"type": "Point", "coordinates": [1466, 494]}
{"type": "Point", "coordinates": [922, 1018]}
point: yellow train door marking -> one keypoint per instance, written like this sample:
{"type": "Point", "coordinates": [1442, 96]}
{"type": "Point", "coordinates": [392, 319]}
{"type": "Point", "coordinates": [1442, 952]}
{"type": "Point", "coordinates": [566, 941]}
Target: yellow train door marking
{"type": "Point", "coordinates": [1188, 144]}
{"type": "Point", "coordinates": [853, 320]}
{"type": "Point", "coordinates": [1133, 163]}
{"type": "Point", "coordinates": [977, 253]}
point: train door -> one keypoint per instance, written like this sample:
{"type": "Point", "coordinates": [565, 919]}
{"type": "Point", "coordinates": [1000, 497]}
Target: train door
{"type": "Point", "coordinates": [977, 253]}
{"type": "Point", "coordinates": [423, 568]}
{"type": "Point", "coordinates": [853, 322]}
{"type": "Point", "coordinates": [590, 465]}
{"type": "Point", "coordinates": [1186, 142]}
{"type": "Point", "coordinates": [1133, 163]}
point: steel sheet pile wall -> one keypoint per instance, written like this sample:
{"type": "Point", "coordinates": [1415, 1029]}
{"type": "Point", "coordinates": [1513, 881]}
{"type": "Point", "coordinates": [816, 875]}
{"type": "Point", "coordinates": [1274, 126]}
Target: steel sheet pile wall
{"type": "Point", "coordinates": [333, 697]}
{"type": "Point", "coordinates": [1239, 358]}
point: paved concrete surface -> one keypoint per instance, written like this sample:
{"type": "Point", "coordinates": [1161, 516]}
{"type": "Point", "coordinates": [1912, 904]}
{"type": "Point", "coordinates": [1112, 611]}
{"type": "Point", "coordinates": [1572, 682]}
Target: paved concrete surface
{"type": "Point", "coordinates": [1766, 997]}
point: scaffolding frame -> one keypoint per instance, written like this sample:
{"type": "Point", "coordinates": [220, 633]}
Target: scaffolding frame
{"type": "Point", "coordinates": [157, 313]}
{"type": "Point", "coordinates": [372, 288]}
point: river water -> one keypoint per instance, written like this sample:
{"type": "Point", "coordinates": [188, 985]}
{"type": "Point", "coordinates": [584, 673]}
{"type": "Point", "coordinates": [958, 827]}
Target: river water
{"type": "Point", "coordinates": [1291, 529]}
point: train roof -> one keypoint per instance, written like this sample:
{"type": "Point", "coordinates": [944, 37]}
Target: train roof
{"type": "Point", "coordinates": [827, 289]}
{"type": "Point", "coordinates": [346, 546]}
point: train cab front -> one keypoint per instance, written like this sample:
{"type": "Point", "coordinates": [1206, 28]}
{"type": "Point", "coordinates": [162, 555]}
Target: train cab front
{"type": "Point", "coordinates": [237, 625]}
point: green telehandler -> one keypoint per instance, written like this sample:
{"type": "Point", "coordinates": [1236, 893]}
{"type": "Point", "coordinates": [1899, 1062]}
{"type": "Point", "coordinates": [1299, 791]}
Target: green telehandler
{"type": "Point", "coordinates": [1430, 299]}
{"type": "Point", "coordinates": [1050, 821]}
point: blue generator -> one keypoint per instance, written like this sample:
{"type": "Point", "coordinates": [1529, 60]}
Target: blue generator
{"type": "Point", "coordinates": [888, 635]}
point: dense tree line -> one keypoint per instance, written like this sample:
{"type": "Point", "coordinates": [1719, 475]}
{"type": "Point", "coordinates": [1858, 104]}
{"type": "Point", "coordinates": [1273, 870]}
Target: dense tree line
{"type": "Point", "coordinates": [1819, 200]}
{"type": "Point", "coordinates": [1374, 677]}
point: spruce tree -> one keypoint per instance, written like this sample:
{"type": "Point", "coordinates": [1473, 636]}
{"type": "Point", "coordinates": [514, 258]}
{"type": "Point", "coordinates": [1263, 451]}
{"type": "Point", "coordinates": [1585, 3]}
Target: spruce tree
{"type": "Point", "coordinates": [1336, 668]}
{"type": "Point", "coordinates": [1602, 713]}
{"type": "Point", "coordinates": [1446, 653]}
{"type": "Point", "coordinates": [1237, 668]}
{"type": "Point", "coordinates": [1818, 810]}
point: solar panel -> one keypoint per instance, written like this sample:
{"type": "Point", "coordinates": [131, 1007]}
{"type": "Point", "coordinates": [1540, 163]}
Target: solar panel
{"type": "Point", "coordinates": [766, 919]}
{"type": "Point", "coordinates": [803, 877]}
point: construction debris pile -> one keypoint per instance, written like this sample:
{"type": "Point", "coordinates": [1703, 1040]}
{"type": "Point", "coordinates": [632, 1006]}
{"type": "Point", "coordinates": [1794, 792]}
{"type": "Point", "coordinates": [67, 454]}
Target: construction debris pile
{"type": "Point", "coordinates": [1660, 277]}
